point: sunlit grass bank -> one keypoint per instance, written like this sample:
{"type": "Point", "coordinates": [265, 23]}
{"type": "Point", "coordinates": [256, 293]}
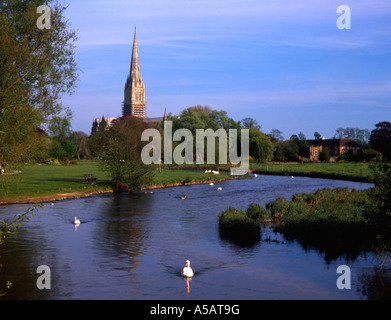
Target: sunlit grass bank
{"type": "Point", "coordinates": [48, 180]}
{"type": "Point", "coordinates": [355, 171]}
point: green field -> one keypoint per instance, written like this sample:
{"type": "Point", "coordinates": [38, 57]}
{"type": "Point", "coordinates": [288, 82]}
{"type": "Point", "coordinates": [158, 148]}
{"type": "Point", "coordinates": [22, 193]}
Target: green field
{"type": "Point", "coordinates": [46, 180]}
{"type": "Point", "coordinates": [42, 180]}
{"type": "Point", "coordinates": [356, 171]}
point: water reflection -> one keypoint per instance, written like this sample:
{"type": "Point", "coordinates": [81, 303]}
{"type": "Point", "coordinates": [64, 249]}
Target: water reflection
{"type": "Point", "coordinates": [375, 284]}
{"type": "Point", "coordinates": [132, 246]}
{"type": "Point", "coordinates": [121, 228]}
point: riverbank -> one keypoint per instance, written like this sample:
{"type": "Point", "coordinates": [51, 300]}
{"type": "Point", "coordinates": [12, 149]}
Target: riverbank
{"type": "Point", "coordinates": [351, 171]}
{"type": "Point", "coordinates": [48, 183]}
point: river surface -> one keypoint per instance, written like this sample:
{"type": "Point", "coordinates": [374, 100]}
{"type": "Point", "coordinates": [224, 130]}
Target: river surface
{"type": "Point", "coordinates": [134, 246]}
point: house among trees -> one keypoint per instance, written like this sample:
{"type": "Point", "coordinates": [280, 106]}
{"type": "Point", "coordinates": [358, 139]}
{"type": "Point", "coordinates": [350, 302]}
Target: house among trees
{"type": "Point", "coordinates": [336, 147]}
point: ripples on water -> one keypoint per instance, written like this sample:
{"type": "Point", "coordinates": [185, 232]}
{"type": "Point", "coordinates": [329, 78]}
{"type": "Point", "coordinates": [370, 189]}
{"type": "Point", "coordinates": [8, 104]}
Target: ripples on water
{"type": "Point", "coordinates": [133, 246]}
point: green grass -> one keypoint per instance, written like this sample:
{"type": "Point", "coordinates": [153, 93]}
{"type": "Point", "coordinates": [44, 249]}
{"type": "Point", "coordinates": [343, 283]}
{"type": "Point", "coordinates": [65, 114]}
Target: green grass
{"type": "Point", "coordinates": [356, 171]}
{"type": "Point", "coordinates": [334, 221]}
{"type": "Point", "coordinates": [43, 180]}
{"type": "Point", "coordinates": [173, 176]}
{"type": "Point", "coordinates": [46, 180]}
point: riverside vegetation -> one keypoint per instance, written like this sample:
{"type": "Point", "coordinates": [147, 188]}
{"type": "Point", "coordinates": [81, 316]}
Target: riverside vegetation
{"type": "Point", "coordinates": [334, 221]}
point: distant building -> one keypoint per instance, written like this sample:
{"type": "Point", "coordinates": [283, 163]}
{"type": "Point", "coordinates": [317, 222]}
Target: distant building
{"type": "Point", "coordinates": [100, 124]}
{"type": "Point", "coordinates": [336, 146]}
{"type": "Point", "coordinates": [134, 103]}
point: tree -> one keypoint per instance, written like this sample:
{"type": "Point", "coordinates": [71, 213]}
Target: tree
{"type": "Point", "coordinates": [68, 147]}
{"type": "Point", "coordinates": [36, 68]}
{"type": "Point", "coordinates": [325, 155]}
{"type": "Point", "coordinates": [200, 117]}
{"type": "Point", "coordinates": [361, 136]}
{"type": "Point", "coordinates": [276, 134]}
{"type": "Point", "coordinates": [317, 135]}
{"type": "Point", "coordinates": [381, 193]}
{"type": "Point", "coordinates": [60, 126]}
{"type": "Point", "coordinates": [260, 145]}
{"type": "Point", "coordinates": [301, 142]}
{"type": "Point", "coordinates": [121, 155]}
{"type": "Point", "coordinates": [81, 141]}
{"type": "Point", "coordinates": [380, 139]}
{"type": "Point", "coordinates": [250, 123]}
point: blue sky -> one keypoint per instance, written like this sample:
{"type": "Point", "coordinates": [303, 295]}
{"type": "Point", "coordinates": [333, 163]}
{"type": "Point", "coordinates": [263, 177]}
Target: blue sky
{"type": "Point", "coordinates": [282, 62]}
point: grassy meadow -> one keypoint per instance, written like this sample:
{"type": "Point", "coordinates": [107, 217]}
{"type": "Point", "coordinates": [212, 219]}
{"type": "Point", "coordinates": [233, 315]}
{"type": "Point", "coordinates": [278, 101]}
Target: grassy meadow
{"type": "Point", "coordinates": [45, 180]}
{"type": "Point", "coordinates": [355, 171]}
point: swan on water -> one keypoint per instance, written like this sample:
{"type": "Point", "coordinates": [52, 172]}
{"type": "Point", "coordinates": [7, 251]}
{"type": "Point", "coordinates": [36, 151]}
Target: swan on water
{"type": "Point", "coordinates": [211, 184]}
{"type": "Point", "coordinates": [76, 221]}
{"type": "Point", "coordinates": [187, 271]}
{"type": "Point", "coordinates": [220, 188]}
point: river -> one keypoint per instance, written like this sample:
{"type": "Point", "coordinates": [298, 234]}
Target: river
{"type": "Point", "coordinates": [134, 246]}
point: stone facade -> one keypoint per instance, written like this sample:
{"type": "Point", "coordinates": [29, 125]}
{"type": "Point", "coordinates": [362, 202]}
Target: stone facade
{"type": "Point", "coordinates": [100, 124]}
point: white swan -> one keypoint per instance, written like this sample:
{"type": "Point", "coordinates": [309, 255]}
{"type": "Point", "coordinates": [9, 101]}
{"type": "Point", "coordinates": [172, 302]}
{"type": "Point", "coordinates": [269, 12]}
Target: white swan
{"type": "Point", "coordinates": [187, 271]}
{"type": "Point", "coordinates": [220, 188]}
{"type": "Point", "coordinates": [211, 184]}
{"type": "Point", "coordinates": [76, 221]}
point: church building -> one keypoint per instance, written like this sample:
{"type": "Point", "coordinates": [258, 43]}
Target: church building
{"type": "Point", "coordinates": [134, 103]}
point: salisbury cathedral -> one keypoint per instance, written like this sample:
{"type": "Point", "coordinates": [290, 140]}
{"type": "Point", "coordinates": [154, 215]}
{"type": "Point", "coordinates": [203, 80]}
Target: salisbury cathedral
{"type": "Point", "coordinates": [134, 96]}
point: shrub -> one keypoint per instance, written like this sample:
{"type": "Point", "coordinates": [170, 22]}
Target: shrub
{"type": "Point", "coordinates": [331, 220]}
{"type": "Point", "coordinates": [238, 227]}
{"type": "Point", "coordinates": [56, 151]}
{"type": "Point", "coordinates": [53, 162]}
{"type": "Point", "coordinates": [69, 147]}
{"type": "Point", "coordinates": [257, 213]}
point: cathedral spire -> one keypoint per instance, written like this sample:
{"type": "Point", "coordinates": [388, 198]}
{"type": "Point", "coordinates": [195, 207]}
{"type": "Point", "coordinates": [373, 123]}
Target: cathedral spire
{"type": "Point", "coordinates": [134, 95]}
{"type": "Point", "coordinates": [134, 67]}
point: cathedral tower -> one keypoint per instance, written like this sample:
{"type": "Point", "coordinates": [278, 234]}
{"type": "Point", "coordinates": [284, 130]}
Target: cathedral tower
{"type": "Point", "coordinates": [134, 101]}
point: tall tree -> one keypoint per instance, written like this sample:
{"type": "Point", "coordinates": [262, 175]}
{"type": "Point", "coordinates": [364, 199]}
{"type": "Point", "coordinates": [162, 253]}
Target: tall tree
{"type": "Point", "coordinates": [317, 135]}
{"type": "Point", "coordinates": [81, 141]}
{"type": "Point", "coordinates": [60, 126]}
{"type": "Point", "coordinates": [260, 145]}
{"type": "Point", "coordinates": [121, 155]}
{"type": "Point", "coordinates": [36, 68]}
{"type": "Point", "coordinates": [380, 139]}
{"type": "Point", "coordinates": [276, 134]}
{"type": "Point", "coordinates": [250, 123]}
{"type": "Point", "coordinates": [361, 136]}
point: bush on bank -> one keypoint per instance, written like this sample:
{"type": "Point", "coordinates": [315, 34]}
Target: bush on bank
{"type": "Point", "coordinates": [238, 227]}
